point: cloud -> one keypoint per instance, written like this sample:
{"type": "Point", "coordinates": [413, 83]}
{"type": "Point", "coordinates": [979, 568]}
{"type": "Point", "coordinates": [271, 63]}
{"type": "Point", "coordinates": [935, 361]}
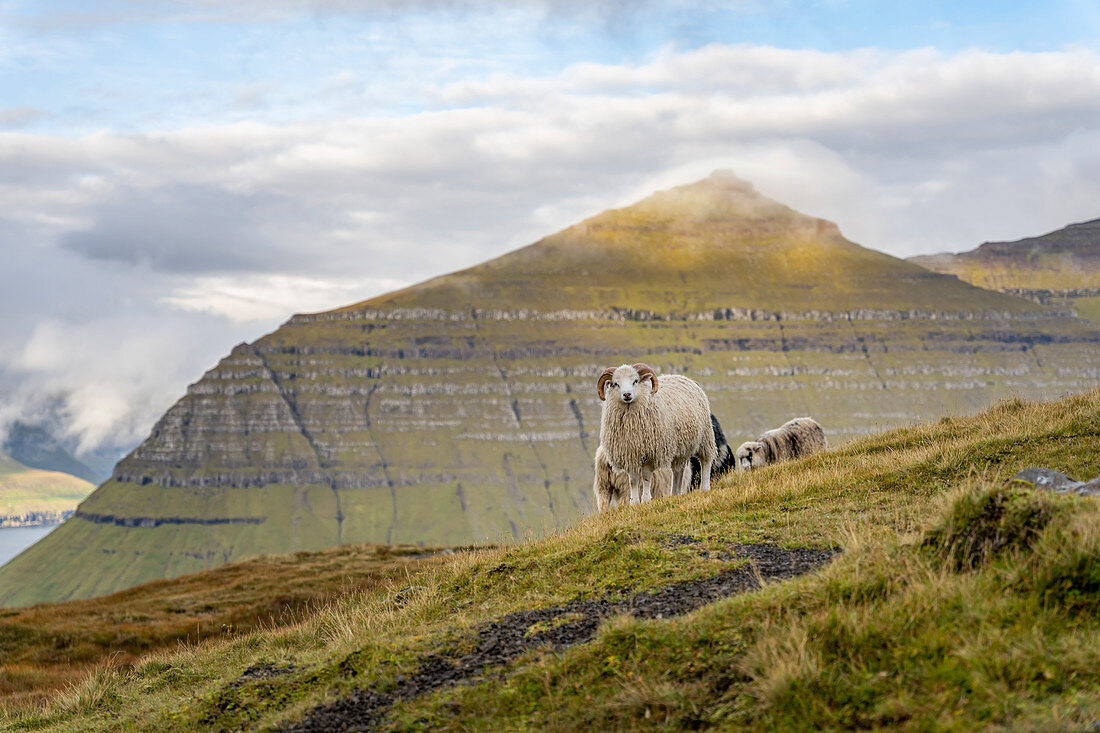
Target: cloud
{"type": "Point", "coordinates": [184, 228]}
{"type": "Point", "coordinates": [110, 379]}
{"type": "Point", "coordinates": [12, 117]}
{"type": "Point", "coordinates": [266, 297]}
{"type": "Point", "coordinates": [127, 12]}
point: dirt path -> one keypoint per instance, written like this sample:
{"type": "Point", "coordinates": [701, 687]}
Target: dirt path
{"type": "Point", "coordinates": [501, 641]}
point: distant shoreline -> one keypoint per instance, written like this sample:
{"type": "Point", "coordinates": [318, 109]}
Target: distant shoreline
{"type": "Point", "coordinates": [34, 519]}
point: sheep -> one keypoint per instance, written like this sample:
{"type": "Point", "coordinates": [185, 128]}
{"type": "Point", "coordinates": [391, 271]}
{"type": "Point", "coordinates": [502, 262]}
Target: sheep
{"type": "Point", "coordinates": [645, 429]}
{"type": "Point", "coordinates": [723, 463]}
{"type": "Point", "coordinates": [612, 487]}
{"type": "Point", "coordinates": [793, 439]}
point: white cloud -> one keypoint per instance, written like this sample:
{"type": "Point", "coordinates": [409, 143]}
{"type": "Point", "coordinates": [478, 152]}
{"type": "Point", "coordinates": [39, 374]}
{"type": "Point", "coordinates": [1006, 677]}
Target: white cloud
{"type": "Point", "coordinates": [18, 116]}
{"type": "Point", "coordinates": [112, 377]}
{"type": "Point", "coordinates": [252, 298]}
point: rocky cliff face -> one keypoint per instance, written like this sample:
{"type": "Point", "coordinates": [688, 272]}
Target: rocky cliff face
{"type": "Point", "coordinates": [464, 409]}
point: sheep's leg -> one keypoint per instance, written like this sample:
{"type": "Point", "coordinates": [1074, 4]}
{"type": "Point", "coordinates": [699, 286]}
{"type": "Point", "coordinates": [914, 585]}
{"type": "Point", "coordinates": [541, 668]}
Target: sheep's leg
{"type": "Point", "coordinates": [647, 485]}
{"type": "Point", "coordinates": [662, 482]}
{"type": "Point", "coordinates": [677, 487]}
{"type": "Point", "coordinates": [704, 473]}
{"type": "Point", "coordinates": [603, 499]}
{"type": "Point", "coordinates": [635, 487]}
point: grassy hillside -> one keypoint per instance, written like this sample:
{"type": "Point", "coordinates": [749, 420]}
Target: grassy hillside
{"type": "Point", "coordinates": [1061, 268]}
{"type": "Point", "coordinates": [50, 647]}
{"type": "Point", "coordinates": [463, 410]}
{"type": "Point", "coordinates": [31, 496]}
{"type": "Point", "coordinates": [956, 603]}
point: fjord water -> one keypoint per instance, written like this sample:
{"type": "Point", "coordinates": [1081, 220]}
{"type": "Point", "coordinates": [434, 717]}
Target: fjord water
{"type": "Point", "coordinates": [14, 540]}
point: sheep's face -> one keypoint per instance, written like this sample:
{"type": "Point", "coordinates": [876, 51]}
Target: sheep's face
{"type": "Point", "coordinates": [627, 384]}
{"type": "Point", "coordinates": [749, 455]}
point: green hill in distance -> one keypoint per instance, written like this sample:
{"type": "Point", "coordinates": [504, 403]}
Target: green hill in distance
{"type": "Point", "coordinates": [463, 410]}
{"type": "Point", "coordinates": [30, 496]}
{"type": "Point", "coordinates": [1060, 268]}
{"type": "Point", "coordinates": [717, 244]}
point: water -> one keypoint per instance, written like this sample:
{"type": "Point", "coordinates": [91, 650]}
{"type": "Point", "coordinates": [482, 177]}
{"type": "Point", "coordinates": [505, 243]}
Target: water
{"type": "Point", "coordinates": [14, 540]}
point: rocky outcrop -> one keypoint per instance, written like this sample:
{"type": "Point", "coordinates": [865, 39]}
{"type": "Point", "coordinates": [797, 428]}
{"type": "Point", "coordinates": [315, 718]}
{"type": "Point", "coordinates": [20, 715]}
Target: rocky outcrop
{"type": "Point", "coordinates": [158, 521]}
{"type": "Point", "coordinates": [1056, 481]}
{"type": "Point", "coordinates": [371, 315]}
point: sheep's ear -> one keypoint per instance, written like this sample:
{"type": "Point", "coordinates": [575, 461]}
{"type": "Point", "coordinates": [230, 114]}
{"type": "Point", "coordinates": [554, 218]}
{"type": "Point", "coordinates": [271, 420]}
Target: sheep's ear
{"type": "Point", "coordinates": [604, 379]}
{"type": "Point", "coordinates": [645, 371]}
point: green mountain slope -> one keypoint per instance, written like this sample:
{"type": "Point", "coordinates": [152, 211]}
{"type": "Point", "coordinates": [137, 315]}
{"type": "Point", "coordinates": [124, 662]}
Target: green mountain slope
{"type": "Point", "coordinates": [30, 496]}
{"type": "Point", "coordinates": [1060, 268]}
{"type": "Point", "coordinates": [956, 603]}
{"type": "Point", "coordinates": [463, 409]}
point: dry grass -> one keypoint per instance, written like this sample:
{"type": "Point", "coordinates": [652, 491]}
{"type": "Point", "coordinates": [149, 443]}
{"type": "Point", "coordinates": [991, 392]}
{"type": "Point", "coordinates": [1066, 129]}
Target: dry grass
{"type": "Point", "coordinates": [54, 647]}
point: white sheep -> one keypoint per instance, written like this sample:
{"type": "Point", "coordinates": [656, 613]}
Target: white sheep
{"type": "Point", "coordinates": [612, 488]}
{"type": "Point", "coordinates": [793, 439]}
{"type": "Point", "coordinates": [644, 429]}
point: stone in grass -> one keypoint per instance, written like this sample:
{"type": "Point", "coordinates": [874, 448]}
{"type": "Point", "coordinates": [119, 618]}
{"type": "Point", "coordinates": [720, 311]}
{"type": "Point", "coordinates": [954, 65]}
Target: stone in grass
{"type": "Point", "coordinates": [1050, 480]}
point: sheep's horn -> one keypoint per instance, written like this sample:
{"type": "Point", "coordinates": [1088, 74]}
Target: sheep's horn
{"type": "Point", "coordinates": [604, 379]}
{"type": "Point", "coordinates": [645, 371]}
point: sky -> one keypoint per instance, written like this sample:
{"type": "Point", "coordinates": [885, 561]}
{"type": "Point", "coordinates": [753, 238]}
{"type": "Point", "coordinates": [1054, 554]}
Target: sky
{"type": "Point", "coordinates": [178, 176]}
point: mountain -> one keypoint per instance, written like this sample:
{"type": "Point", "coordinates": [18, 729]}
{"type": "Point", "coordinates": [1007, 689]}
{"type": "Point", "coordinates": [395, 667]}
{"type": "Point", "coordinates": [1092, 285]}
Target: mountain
{"type": "Point", "coordinates": [463, 409]}
{"type": "Point", "coordinates": [30, 496]}
{"type": "Point", "coordinates": [34, 446]}
{"type": "Point", "coordinates": [1060, 268]}
{"type": "Point", "coordinates": [907, 585]}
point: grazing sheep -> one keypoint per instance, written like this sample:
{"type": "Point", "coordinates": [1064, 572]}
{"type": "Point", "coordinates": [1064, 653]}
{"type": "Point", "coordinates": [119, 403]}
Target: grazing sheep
{"type": "Point", "coordinates": [648, 428]}
{"type": "Point", "coordinates": [612, 488]}
{"type": "Point", "coordinates": [793, 439]}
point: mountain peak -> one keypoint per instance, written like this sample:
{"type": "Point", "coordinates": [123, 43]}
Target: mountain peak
{"type": "Point", "coordinates": [726, 180]}
{"type": "Point", "coordinates": [719, 196]}
{"type": "Point", "coordinates": [714, 243]}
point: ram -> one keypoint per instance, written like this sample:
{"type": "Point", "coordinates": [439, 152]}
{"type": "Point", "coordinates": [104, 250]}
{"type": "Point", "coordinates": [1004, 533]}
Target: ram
{"type": "Point", "coordinates": [647, 428]}
{"type": "Point", "coordinates": [793, 439]}
{"type": "Point", "coordinates": [612, 488]}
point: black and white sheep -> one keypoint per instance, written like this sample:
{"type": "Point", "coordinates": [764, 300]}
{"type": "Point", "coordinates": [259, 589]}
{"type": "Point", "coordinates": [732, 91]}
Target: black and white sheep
{"type": "Point", "coordinates": [793, 439]}
{"type": "Point", "coordinates": [646, 428]}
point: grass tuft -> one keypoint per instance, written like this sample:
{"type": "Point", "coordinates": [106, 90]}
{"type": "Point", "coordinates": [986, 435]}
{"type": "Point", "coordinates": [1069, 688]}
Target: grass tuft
{"type": "Point", "coordinates": [980, 524]}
